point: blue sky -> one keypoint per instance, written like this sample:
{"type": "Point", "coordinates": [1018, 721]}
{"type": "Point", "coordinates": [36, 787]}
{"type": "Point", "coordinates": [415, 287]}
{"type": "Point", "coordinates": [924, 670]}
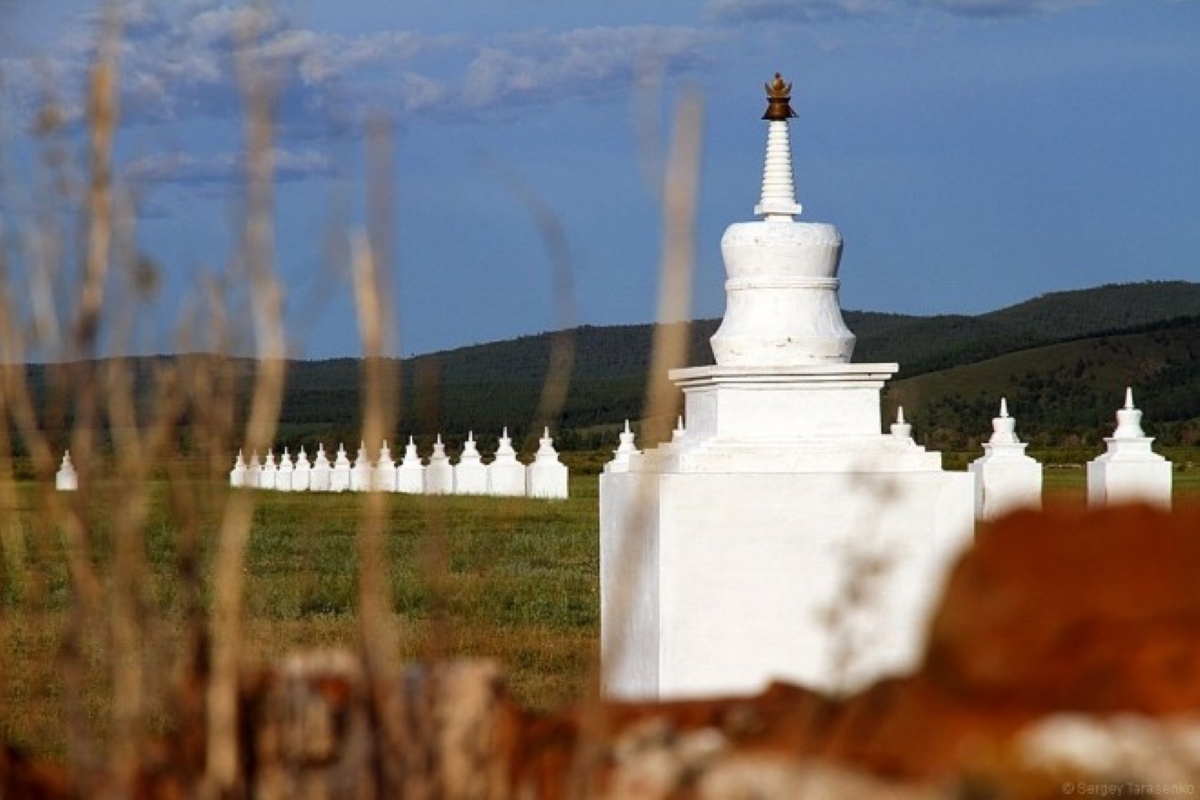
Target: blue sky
{"type": "Point", "coordinates": [974, 153]}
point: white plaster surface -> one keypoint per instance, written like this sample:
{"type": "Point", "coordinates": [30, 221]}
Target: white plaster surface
{"type": "Point", "coordinates": [410, 475]}
{"type": "Point", "coordinates": [268, 473]}
{"type": "Point", "coordinates": [1006, 479]}
{"type": "Point", "coordinates": [237, 475]}
{"type": "Point", "coordinates": [506, 475]}
{"type": "Point", "coordinates": [302, 474]}
{"type": "Point", "coordinates": [283, 478]}
{"type": "Point", "coordinates": [254, 472]}
{"type": "Point", "coordinates": [439, 473]}
{"type": "Point", "coordinates": [782, 535]}
{"type": "Point", "coordinates": [321, 479]}
{"type": "Point", "coordinates": [66, 479]}
{"type": "Point", "coordinates": [339, 474]}
{"type": "Point", "coordinates": [470, 474]}
{"type": "Point", "coordinates": [361, 470]}
{"type": "Point", "coordinates": [716, 583]}
{"type": "Point", "coordinates": [1129, 471]}
{"type": "Point", "coordinates": [547, 476]}
{"type": "Point", "coordinates": [781, 296]}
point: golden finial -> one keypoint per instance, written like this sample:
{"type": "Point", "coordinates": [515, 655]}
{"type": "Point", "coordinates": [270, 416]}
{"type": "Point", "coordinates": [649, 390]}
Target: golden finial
{"type": "Point", "coordinates": [779, 96]}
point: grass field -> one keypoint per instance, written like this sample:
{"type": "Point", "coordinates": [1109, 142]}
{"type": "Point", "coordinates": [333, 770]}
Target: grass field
{"type": "Point", "coordinates": [512, 579]}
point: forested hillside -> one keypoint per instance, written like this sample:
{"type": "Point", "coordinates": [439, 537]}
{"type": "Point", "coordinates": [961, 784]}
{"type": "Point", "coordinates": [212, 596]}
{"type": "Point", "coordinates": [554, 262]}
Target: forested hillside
{"type": "Point", "coordinates": [1062, 360]}
{"type": "Point", "coordinates": [1065, 393]}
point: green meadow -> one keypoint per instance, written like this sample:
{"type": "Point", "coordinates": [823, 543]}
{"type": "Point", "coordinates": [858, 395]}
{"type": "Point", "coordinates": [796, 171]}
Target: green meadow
{"type": "Point", "coordinates": [512, 579]}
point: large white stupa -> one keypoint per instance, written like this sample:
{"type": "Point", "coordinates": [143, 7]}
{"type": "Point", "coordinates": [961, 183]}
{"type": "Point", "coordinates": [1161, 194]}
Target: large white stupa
{"type": "Point", "coordinates": [781, 534]}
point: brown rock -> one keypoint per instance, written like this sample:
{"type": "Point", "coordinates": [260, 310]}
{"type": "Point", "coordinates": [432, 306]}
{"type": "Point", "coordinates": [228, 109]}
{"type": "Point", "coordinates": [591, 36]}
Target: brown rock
{"type": "Point", "coordinates": [1099, 612]}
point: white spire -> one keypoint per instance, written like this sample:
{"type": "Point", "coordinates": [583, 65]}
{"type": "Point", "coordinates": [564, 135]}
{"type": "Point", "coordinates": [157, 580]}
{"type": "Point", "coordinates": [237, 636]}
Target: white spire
{"type": "Point", "coordinates": [901, 429]}
{"type": "Point", "coordinates": [1129, 419]}
{"type": "Point", "coordinates": [778, 199]}
{"type": "Point", "coordinates": [1004, 427]}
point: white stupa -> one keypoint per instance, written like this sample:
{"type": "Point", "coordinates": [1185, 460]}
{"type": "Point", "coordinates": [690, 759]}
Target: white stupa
{"type": "Point", "coordinates": [283, 479]}
{"type": "Point", "coordinates": [547, 476]}
{"type": "Point", "coordinates": [626, 449]}
{"type": "Point", "coordinates": [439, 473]}
{"type": "Point", "coordinates": [410, 475]}
{"type": "Point", "coordinates": [470, 473]}
{"type": "Point", "coordinates": [784, 536]}
{"type": "Point", "coordinates": [1005, 478]}
{"type": "Point", "coordinates": [339, 474]}
{"type": "Point", "coordinates": [506, 475]}
{"type": "Point", "coordinates": [321, 479]}
{"type": "Point", "coordinates": [269, 472]}
{"type": "Point", "coordinates": [237, 475]}
{"type": "Point", "coordinates": [361, 470]}
{"type": "Point", "coordinates": [67, 479]}
{"type": "Point", "coordinates": [302, 474]}
{"type": "Point", "coordinates": [385, 470]}
{"type": "Point", "coordinates": [254, 471]}
{"type": "Point", "coordinates": [1129, 471]}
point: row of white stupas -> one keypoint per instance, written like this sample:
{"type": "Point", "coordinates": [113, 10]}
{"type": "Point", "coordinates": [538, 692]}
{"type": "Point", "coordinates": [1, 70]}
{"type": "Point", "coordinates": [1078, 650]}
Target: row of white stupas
{"type": "Point", "coordinates": [544, 477]}
{"type": "Point", "coordinates": [1007, 480]}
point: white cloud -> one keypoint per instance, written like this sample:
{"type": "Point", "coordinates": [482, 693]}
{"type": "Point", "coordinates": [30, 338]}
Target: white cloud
{"type": "Point", "coordinates": [812, 11]}
{"type": "Point", "coordinates": [184, 167]}
{"type": "Point", "coordinates": [999, 9]}
{"type": "Point", "coordinates": [547, 67]}
{"type": "Point", "coordinates": [797, 10]}
{"type": "Point", "coordinates": [179, 61]}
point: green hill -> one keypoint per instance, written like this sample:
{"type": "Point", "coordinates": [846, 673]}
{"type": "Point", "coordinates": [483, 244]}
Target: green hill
{"type": "Point", "coordinates": [1062, 360]}
{"type": "Point", "coordinates": [1061, 356]}
{"type": "Point", "coordinates": [1065, 391]}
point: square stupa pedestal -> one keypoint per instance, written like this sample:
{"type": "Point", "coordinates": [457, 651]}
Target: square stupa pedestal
{"type": "Point", "coordinates": [783, 537]}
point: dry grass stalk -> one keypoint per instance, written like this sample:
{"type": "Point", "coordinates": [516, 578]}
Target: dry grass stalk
{"type": "Point", "coordinates": [680, 189]}
{"type": "Point", "coordinates": [562, 292]}
{"type": "Point", "coordinates": [266, 398]}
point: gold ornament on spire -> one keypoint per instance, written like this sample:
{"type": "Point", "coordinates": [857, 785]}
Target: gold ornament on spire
{"type": "Point", "coordinates": [779, 96]}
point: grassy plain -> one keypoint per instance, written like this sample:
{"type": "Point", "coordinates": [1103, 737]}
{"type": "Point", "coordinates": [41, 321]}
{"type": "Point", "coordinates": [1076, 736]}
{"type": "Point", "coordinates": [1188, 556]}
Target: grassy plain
{"type": "Point", "coordinates": [512, 579]}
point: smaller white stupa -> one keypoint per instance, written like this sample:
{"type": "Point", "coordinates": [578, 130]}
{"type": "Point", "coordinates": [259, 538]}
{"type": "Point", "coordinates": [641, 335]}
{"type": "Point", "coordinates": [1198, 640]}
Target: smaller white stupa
{"type": "Point", "coordinates": [410, 475]}
{"type": "Point", "coordinates": [339, 476]}
{"type": "Point", "coordinates": [283, 478]}
{"type": "Point", "coordinates": [302, 474]}
{"type": "Point", "coordinates": [470, 474]}
{"type": "Point", "coordinates": [626, 449]}
{"type": "Point", "coordinates": [901, 429]}
{"type": "Point", "coordinates": [439, 474]}
{"type": "Point", "coordinates": [361, 470]}
{"type": "Point", "coordinates": [270, 472]}
{"type": "Point", "coordinates": [1129, 472]}
{"type": "Point", "coordinates": [385, 470]}
{"type": "Point", "coordinates": [66, 479]}
{"type": "Point", "coordinates": [254, 471]}
{"type": "Point", "coordinates": [321, 479]}
{"type": "Point", "coordinates": [1006, 479]}
{"type": "Point", "coordinates": [547, 476]}
{"type": "Point", "coordinates": [506, 475]}
{"type": "Point", "coordinates": [237, 475]}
